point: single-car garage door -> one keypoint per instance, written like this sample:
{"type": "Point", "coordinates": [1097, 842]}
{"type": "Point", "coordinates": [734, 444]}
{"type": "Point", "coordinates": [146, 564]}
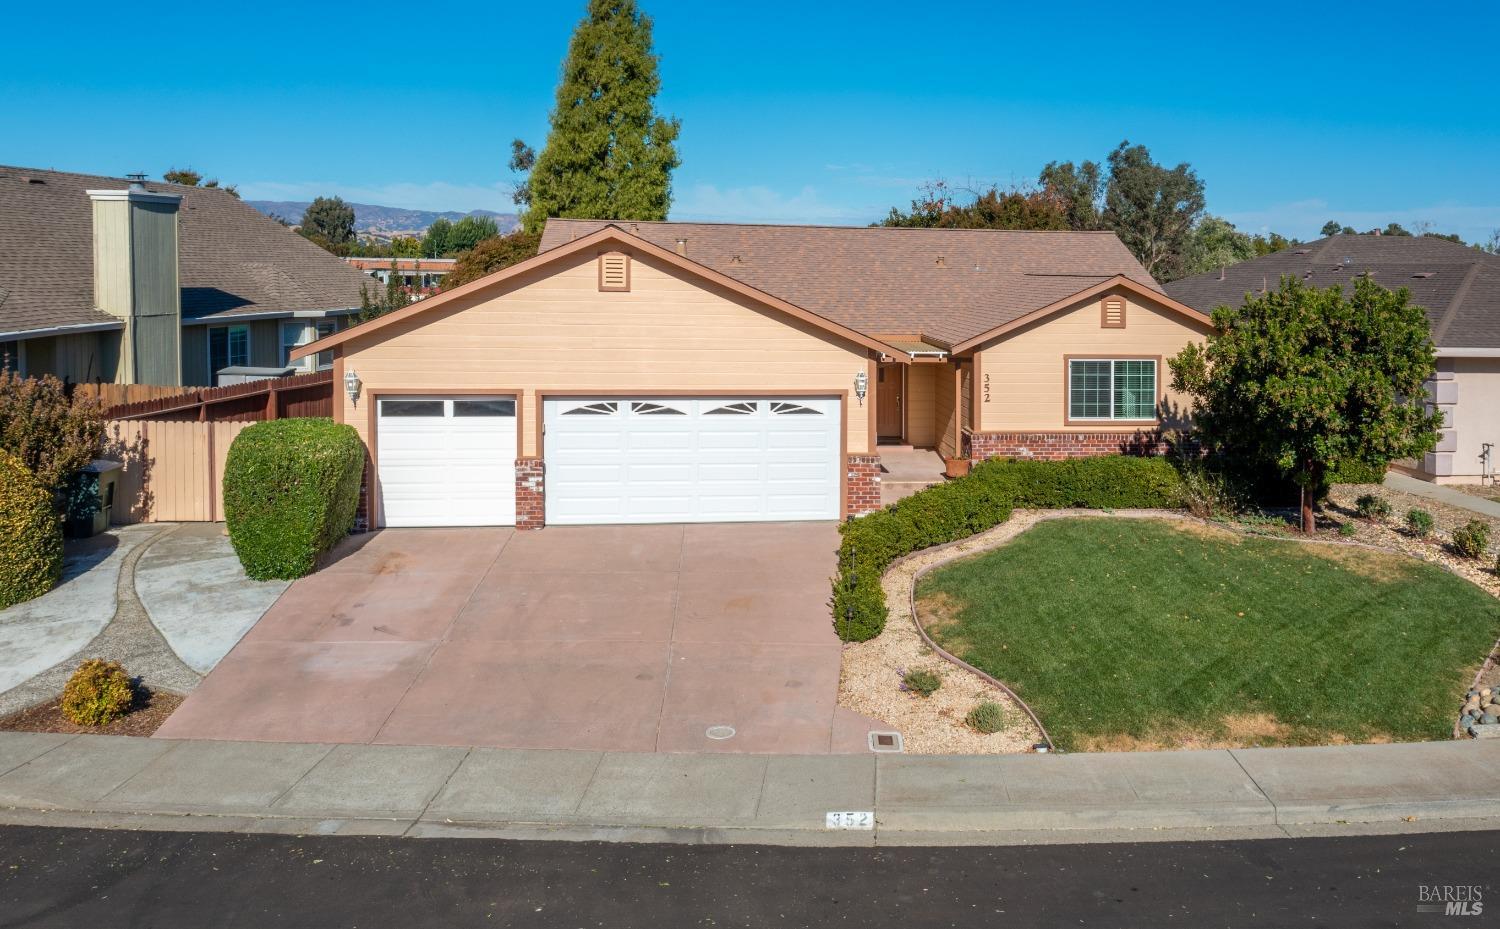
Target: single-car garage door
{"type": "Point", "coordinates": [684, 460]}
{"type": "Point", "coordinates": [447, 461]}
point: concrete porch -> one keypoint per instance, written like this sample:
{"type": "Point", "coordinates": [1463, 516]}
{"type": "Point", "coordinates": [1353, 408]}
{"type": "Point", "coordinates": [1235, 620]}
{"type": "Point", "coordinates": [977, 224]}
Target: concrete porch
{"type": "Point", "coordinates": [904, 470]}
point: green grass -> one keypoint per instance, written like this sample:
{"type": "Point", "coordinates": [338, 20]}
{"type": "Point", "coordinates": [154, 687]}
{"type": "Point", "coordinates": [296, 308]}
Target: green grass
{"type": "Point", "coordinates": [1140, 633]}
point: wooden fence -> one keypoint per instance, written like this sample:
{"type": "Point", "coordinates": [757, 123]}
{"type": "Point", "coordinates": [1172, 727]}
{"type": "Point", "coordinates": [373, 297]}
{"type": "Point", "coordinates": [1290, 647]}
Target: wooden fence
{"type": "Point", "coordinates": [116, 394]}
{"type": "Point", "coordinates": [173, 471]}
{"type": "Point", "coordinates": [272, 398]}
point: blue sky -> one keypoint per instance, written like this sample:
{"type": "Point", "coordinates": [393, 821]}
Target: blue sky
{"type": "Point", "coordinates": [792, 111]}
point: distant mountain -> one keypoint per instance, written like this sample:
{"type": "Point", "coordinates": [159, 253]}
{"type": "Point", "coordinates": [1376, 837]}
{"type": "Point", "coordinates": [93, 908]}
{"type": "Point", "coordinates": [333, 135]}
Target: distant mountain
{"type": "Point", "coordinates": [385, 221]}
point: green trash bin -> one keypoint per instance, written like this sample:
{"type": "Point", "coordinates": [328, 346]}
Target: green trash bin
{"type": "Point", "coordinates": [93, 498]}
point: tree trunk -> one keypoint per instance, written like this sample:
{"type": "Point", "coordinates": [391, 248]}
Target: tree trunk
{"type": "Point", "coordinates": [1309, 522]}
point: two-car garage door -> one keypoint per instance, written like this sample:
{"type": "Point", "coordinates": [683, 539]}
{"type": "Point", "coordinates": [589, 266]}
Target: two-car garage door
{"type": "Point", "coordinates": [449, 461]}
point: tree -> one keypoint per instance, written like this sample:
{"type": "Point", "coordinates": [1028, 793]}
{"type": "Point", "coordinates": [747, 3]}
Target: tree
{"type": "Point", "coordinates": [1215, 244]}
{"type": "Point", "coordinates": [939, 207]}
{"type": "Point", "coordinates": [522, 160]}
{"type": "Point", "coordinates": [491, 255]}
{"type": "Point", "coordinates": [1077, 188]}
{"type": "Point", "coordinates": [469, 232]}
{"type": "Point", "coordinates": [1152, 208]}
{"type": "Point", "coordinates": [329, 219]}
{"type": "Point", "coordinates": [185, 176]}
{"type": "Point", "coordinates": [1493, 245]}
{"type": "Point", "coordinates": [1331, 227]}
{"type": "Point", "coordinates": [608, 155]}
{"type": "Point", "coordinates": [1272, 242]}
{"type": "Point", "coordinates": [435, 242]}
{"type": "Point", "coordinates": [1301, 380]}
{"type": "Point", "coordinates": [404, 246]}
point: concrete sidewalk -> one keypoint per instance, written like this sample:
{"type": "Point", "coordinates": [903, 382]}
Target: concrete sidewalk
{"type": "Point", "coordinates": [1455, 498]}
{"type": "Point", "coordinates": [418, 791]}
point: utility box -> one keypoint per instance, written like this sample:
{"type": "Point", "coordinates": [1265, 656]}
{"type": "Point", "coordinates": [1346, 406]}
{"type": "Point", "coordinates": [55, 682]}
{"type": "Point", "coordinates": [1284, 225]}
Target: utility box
{"type": "Point", "coordinates": [93, 499]}
{"type": "Point", "coordinates": [243, 374]}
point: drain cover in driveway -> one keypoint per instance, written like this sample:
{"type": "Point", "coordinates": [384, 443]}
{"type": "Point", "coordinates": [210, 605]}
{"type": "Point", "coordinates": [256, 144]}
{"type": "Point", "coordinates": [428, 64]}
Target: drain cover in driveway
{"type": "Point", "coordinates": [720, 732]}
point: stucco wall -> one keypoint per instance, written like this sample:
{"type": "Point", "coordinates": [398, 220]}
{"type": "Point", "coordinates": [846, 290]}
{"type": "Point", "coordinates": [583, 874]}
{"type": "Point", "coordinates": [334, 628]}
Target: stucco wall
{"type": "Point", "coordinates": [1025, 372]}
{"type": "Point", "coordinates": [1476, 416]}
{"type": "Point", "coordinates": [553, 331]}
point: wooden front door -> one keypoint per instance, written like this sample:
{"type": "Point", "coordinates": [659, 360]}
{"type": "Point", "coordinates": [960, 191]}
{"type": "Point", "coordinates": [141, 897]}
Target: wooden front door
{"type": "Point", "coordinates": [888, 401]}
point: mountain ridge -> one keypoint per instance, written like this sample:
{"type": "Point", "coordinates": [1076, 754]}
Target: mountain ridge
{"type": "Point", "coordinates": [373, 219]}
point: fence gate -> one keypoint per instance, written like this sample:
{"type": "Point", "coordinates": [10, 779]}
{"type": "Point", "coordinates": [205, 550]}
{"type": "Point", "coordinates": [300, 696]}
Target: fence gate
{"type": "Point", "coordinates": [173, 471]}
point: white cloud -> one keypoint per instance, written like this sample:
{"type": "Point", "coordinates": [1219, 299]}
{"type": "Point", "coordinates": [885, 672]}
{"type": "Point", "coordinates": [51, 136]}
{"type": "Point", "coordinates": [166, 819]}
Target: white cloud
{"type": "Point", "coordinates": [1303, 218]}
{"type": "Point", "coordinates": [434, 195]}
{"type": "Point", "coordinates": [709, 203]}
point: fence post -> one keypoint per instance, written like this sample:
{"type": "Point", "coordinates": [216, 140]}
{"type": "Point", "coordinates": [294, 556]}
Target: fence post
{"type": "Point", "coordinates": [271, 405]}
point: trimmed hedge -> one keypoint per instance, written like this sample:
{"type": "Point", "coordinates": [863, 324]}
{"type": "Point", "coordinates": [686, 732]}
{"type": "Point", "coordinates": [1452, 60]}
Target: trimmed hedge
{"type": "Point", "coordinates": [31, 543]}
{"type": "Point", "coordinates": [972, 504]}
{"type": "Point", "coordinates": [291, 487]}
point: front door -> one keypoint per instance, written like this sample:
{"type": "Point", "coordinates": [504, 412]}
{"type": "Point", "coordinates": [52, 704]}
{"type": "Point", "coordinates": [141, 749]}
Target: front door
{"type": "Point", "coordinates": [888, 401]}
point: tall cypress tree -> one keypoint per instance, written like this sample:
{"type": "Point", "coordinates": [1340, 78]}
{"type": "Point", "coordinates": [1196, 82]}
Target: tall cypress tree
{"type": "Point", "coordinates": [608, 155]}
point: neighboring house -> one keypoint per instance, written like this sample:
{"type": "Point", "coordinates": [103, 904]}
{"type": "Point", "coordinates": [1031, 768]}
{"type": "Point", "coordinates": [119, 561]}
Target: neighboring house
{"type": "Point", "coordinates": [680, 372]}
{"type": "Point", "coordinates": [1458, 286]}
{"type": "Point", "coordinates": [418, 275]}
{"type": "Point", "coordinates": [111, 280]}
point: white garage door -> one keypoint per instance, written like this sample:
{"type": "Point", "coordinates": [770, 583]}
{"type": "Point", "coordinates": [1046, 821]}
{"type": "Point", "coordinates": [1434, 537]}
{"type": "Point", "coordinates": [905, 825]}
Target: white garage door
{"type": "Point", "coordinates": [447, 461]}
{"type": "Point", "coordinates": [656, 460]}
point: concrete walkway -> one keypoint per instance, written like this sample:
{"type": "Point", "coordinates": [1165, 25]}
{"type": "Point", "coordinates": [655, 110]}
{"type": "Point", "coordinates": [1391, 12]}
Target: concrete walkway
{"type": "Point", "coordinates": [1405, 483]}
{"type": "Point", "coordinates": [778, 799]}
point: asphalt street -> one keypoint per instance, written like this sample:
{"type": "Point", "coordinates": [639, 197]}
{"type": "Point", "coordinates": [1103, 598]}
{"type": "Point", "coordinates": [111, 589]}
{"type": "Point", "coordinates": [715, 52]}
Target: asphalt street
{"type": "Point", "coordinates": [179, 880]}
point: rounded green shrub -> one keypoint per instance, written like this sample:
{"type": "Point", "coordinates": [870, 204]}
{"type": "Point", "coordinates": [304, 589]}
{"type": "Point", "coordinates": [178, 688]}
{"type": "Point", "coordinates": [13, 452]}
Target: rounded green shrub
{"type": "Point", "coordinates": [1372, 506]}
{"type": "Point", "coordinates": [1472, 538]}
{"type": "Point", "coordinates": [291, 488]}
{"type": "Point", "coordinates": [99, 692]}
{"type": "Point", "coordinates": [987, 717]}
{"type": "Point", "coordinates": [921, 682]}
{"type": "Point", "coordinates": [31, 545]}
{"type": "Point", "coordinates": [1419, 523]}
{"type": "Point", "coordinates": [1348, 530]}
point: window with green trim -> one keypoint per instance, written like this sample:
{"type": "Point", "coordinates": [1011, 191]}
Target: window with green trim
{"type": "Point", "coordinates": [1107, 389]}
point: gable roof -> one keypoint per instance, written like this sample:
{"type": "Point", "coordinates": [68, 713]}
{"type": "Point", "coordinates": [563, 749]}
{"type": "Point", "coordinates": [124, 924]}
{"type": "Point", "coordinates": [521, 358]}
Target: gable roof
{"type": "Point", "coordinates": [232, 260]}
{"type": "Point", "coordinates": [1119, 282]}
{"type": "Point", "coordinates": [878, 279]}
{"type": "Point", "coordinates": [1458, 286]}
{"type": "Point", "coordinates": [606, 234]}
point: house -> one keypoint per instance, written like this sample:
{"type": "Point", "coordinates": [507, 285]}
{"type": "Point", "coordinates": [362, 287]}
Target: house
{"type": "Point", "coordinates": [137, 282]}
{"type": "Point", "coordinates": [418, 275]}
{"type": "Point", "coordinates": [681, 372]}
{"type": "Point", "coordinates": [1458, 286]}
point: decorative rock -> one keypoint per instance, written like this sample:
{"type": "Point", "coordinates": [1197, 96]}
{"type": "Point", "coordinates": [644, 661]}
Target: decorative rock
{"type": "Point", "coordinates": [1485, 732]}
{"type": "Point", "coordinates": [1466, 720]}
{"type": "Point", "coordinates": [1489, 719]}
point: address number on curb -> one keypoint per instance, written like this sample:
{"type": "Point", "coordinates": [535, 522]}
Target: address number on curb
{"type": "Point", "coordinates": [850, 820]}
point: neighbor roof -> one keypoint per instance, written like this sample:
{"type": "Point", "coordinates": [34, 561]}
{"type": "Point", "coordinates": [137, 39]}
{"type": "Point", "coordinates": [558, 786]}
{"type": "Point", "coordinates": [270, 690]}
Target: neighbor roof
{"type": "Point", "coordinates": [232, 260]}
{"type": "Point", "coordinates": [944, 284]}
{"type": "Point", "coordinates": [1457, 285]}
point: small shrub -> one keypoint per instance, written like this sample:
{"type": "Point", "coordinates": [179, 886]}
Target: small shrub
{"type": "Point", "coordinates": [922, 682]}
{"type": "Point", "coordinates": [987, 717]}
{"type": "Point", "coordinates": [291, 487]}
{"type": "Point", "coordinates": [99, 692]}
{"type": "Point", "coordinates": [1472, 539]}
{"type": "Point", "coordinates": [1372, 506]}
{"type": "Point", "coordinates": [53, 435]}
{"type": "Point", "coordinates": [1419, 523]}
{"type": "Point", "coordinates": [31, 545]}
{"type": "Point", "coordinates": [1348, 530]}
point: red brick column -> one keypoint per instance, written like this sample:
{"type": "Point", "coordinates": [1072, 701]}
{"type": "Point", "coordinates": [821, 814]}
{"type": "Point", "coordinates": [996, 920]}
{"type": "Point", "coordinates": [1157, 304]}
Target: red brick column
{"type": "Point", "coordinates": [362, 521]}
{"type": "Point", "coordinates": [530, 494]}
{"type": "Point", "coordinates": [862, 489]}
{"type": "Point", "coordinates": [1055, 446]}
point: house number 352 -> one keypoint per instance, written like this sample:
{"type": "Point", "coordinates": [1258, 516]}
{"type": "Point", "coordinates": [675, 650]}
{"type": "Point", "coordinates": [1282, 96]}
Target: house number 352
{"type": "Point", "coordinates": [986, 388]}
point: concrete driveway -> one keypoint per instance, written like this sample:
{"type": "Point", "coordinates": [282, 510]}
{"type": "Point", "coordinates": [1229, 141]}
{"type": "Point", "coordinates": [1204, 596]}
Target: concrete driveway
{"type": "Point", "coordinates": [629, 638]}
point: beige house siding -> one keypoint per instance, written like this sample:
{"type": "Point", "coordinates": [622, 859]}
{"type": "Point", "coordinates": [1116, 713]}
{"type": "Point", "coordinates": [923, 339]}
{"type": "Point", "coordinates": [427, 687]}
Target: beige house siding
{"type": "Point", "coordinates": [921, 394]}
{"type": "Point", "coordinates": [945, 409]}
{"type": "Point", "coordinates": [1474, 418]}
{"type": "Point", "coordinates": [1026, 373]}
{"type": "Point", "coordinates": [552, 330]}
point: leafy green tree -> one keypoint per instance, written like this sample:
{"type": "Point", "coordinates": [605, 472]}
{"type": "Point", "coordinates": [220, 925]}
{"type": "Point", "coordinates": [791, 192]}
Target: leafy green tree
{"type": "Point", "coordinates": [435, 244]}
{"type": "Point", "coordinates": [1216, 244]}
{"type": "Point", "coordinates": [185, 176]}
{"type": "Point", "coordinates": [1301, 380]}
{"type": "Point", "coordinates": [1272, 242]}
{"type": "Point", "coordinates": [404, 246]}
{"type": "Point", "coordinates": [1152, 208]}
{"type": "Point", "coordinates": [329, 219]}
{"type": "Point", "coordinates": [608, 154]}
{"type": "Point", "coordinates": [1078, 188]}
{"type": "Point", "coordinates": [1332, 227]}
{"type": "Point", "coordinates": [940, 207]}
{"type": "Point", "coordinates": [491, 255]}
{"type": "Point", "coordinates": [469, 232]}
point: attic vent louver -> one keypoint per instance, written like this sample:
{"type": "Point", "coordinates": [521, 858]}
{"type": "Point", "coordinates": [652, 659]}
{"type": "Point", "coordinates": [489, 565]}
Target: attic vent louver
{"type": "Point", "coordinates": [1112, 313]}
{"type": "Point", "coordinates": [614, 271]}
{"type": "Point", "coordinates": [941, 262]}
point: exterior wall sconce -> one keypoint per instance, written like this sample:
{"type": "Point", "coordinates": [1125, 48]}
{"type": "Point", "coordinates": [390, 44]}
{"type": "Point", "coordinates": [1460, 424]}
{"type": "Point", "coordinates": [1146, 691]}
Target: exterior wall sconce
{"type": "Point", "coordinates": [352, 384]}
{"type": "Point", "coordinates": [861, 386]}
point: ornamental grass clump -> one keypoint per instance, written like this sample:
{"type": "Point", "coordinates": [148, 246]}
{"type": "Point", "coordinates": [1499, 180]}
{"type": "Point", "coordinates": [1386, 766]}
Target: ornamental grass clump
{"type": "Point", "coordinates": [921, 682]}
{"type": "Point", "coordinates": [987, 717]}
{"type": "Point", "coordinates": [1471, 539]}
{"type": "Point", "coordinates": [98, 693]}
{"type": "Point", "coordinates": [31, 545]}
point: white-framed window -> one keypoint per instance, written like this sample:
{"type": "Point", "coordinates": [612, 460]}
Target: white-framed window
{"type": "Point", "coordinates": [296, 333]}
{"type": "Point", "coordinates": [293, 334]}
{"type": "Point", "coordinates": [228, 346]}
{"type": "Point", "coordinates": [1106, 389]}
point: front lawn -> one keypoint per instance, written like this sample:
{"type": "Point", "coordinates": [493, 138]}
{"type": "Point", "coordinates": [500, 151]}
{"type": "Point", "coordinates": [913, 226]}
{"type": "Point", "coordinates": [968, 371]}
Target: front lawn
{"type": "Point", "coordinates": [1139, 633]}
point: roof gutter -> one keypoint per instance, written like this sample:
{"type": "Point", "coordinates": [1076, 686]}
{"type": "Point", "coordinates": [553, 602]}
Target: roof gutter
{"type": "Point", "coordinates": [78, 329]}
{"type": "Point", "coordinates": [1468, 352]}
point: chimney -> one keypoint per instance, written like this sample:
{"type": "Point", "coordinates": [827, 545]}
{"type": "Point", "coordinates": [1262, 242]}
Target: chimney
{"type": "Point", "coordinates": [682, 246]}
{"type": "Point", "coordinates": [136, 279]}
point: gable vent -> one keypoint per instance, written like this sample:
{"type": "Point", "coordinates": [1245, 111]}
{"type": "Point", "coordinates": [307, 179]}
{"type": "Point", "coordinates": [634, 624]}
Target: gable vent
{"type": "Point", "coordinates": [614, 271]}
{"type": "Point", "coordinates": [1112, 313]}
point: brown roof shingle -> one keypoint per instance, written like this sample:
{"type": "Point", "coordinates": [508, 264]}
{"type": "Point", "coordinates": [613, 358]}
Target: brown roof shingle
{"type": "Point", "coordinates": [232, 260]}
{"type": "Point", "coordinates": [949, 284]}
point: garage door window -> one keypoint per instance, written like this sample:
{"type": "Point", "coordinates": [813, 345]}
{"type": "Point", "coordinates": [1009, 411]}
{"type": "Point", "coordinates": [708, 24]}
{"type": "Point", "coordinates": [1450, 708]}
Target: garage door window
{"type": "Point", "coordinates": [594, 409]}
{"type": "Point", "coordinates": [655, 409]}
{"type": "Point", "coordinates": [782, 408]}
{"type": "Point", "coordinates": [484, 407]}
{"type": "Point", "coordinates": [411, 408]}
{"type": "Point", "coordinates": [731, 409]}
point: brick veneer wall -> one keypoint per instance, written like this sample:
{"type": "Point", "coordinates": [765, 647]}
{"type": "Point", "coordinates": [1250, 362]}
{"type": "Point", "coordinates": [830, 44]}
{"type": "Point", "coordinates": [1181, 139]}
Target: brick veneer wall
{"type": "Point", "coordinates": [863, 485]}
{"type": "Point", "coordinates": [1055, 446]}
{"type": "Point", "coordinates": [530, 494]}
{"type": "Point", "coordinates": [362, 509]}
